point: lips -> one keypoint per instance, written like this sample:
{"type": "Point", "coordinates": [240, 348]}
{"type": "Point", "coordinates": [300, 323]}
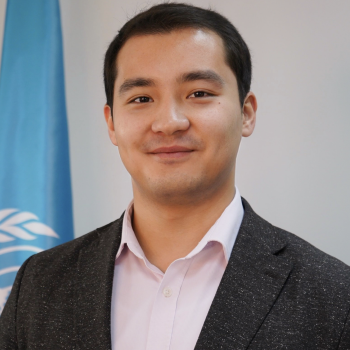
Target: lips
{"type": "Point", "coordinates": [172, 149]}
{"type": "Point", "coordinates": [172, 152]}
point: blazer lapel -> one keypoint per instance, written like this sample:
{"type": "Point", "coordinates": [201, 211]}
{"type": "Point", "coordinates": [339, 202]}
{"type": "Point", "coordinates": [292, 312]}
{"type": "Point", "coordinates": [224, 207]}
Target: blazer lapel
{"type": "Point", "coordinates": [252, 281]}
{"type": "Point", "coordinates": [94, 288]}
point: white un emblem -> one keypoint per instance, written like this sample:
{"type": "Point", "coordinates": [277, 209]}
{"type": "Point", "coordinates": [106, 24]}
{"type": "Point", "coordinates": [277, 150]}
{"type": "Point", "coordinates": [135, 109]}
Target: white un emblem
{"type": "Point", "coordinates": [17, 227]}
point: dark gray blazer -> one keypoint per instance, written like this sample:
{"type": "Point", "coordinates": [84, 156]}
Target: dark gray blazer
{"type": "Point", "coordinates": [278, 292]}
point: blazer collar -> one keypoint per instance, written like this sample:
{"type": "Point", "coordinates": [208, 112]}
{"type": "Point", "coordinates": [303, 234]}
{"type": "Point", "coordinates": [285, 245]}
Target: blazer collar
{"type": "Point", "coordinates": [93, 287]}
{"type": "Point", "coordinates": [252, 281]}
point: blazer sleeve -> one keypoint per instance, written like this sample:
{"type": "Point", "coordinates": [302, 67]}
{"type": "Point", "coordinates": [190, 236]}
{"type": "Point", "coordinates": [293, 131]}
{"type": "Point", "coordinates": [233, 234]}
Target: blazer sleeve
{"type": "Point", "coordinates": [344, 343]}
{"type": "Point", "coordinates": [8, 336]}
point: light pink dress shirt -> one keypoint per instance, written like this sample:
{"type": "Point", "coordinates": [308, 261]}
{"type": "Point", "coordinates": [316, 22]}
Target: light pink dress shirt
{"type": "Point", "coordinates": [153, 310]}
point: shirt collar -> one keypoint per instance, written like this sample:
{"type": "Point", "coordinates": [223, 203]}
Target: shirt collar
{"type": "Point", "coordinates": [224, 231]}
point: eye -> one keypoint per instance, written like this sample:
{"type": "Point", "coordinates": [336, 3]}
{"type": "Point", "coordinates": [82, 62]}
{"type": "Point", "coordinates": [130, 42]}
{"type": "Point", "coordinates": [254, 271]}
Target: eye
{"type": "Point", "coordinates": [198, 94]}
{"type": "Point", "coordinates": [142, 99]}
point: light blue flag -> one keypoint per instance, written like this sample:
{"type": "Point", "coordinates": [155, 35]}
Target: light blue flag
{"type": "Point", "coordinates": [35, 187]}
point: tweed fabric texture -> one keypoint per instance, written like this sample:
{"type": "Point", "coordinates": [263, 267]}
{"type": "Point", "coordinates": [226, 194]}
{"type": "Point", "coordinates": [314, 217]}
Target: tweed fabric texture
{"type": "Point", "coordinates": [277, 292]}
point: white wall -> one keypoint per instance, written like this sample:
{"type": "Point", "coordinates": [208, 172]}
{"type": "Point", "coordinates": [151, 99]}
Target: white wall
{"type": "Point", "coordinates": [294, 170]}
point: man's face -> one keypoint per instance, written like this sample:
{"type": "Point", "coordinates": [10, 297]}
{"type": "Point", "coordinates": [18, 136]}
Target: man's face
{"type": "Point", "coordinates": [177, 120]}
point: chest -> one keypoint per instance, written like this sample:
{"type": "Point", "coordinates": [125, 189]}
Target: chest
{"type": "Point", "coordinates": [151, 310]}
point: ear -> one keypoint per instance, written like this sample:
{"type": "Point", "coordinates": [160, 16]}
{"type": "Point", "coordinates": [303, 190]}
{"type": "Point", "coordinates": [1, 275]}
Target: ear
{"type": "Point", "coordinates": [109, 120]}
{"type": "Point", "coordinates": [249, 114]}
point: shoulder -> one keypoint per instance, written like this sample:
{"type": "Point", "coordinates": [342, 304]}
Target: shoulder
{"type": "Point", "coordinates": [317, 274]}
{"type": "Point", "coordinates": [67, 254]}
{"type": "Point", "coordinates": [315, 265]}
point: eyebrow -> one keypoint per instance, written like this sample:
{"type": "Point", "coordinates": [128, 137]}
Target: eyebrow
{"type": "Point", "coordinates": [202, 75]}
{"type": "Point", "coordinates": [135, 82]}
{"type": "Point", "coordinates": [208, 75]}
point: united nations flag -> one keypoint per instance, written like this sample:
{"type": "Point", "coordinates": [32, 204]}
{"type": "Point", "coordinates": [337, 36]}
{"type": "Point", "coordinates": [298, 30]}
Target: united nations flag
{"type": "Point", "coordinates": [35, 186]}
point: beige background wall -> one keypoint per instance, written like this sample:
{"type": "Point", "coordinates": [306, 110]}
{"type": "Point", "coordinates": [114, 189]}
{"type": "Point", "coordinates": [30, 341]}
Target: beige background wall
{"type": "Point", "coordinates": [294, 170]}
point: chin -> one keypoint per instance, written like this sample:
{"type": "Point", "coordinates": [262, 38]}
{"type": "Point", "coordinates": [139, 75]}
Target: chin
{"type": "Point", "coordinates": [178, 190]}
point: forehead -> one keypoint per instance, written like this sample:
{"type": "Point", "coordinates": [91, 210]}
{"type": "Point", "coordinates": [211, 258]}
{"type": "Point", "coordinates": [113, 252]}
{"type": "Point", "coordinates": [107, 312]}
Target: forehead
{"type": "Point", "coordinates": [164, 54]}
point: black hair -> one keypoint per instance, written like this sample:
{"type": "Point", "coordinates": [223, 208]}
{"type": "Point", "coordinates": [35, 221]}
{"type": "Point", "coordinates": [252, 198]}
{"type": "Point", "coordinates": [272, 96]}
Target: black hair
{"type": "Point", "coordinates": [167, 17]}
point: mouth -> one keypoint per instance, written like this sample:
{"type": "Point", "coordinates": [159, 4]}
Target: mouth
{"type": "Point", "coordinates": [172, 152]}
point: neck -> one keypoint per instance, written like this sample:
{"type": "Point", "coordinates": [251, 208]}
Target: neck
{"type": "Point", "coordinates": [169, 232]}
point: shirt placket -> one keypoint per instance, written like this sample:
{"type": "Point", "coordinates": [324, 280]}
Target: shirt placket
{"type": "Point", "coordinates": [164, 307]}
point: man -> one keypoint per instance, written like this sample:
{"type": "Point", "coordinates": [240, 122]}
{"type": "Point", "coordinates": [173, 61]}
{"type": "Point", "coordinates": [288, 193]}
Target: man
{"type": "Point", "coordinates": [189, 265]}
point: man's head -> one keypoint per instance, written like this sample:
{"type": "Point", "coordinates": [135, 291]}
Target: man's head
{"type": "Point", "coordinates": [177, 81]}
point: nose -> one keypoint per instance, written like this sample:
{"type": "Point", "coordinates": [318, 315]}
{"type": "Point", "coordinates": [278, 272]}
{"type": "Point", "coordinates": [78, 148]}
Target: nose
{"type": "Point", "coordinates": [170, 119]}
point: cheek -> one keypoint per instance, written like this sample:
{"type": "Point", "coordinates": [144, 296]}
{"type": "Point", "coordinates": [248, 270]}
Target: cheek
{"type": "Point", "coordinates": [221, 129]}
{"type": "Point", "coordinates": [128, 131]}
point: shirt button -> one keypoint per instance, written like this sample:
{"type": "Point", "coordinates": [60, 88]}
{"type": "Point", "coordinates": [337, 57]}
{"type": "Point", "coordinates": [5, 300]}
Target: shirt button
{"type": "Point", "coordinates": [167, 292]}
